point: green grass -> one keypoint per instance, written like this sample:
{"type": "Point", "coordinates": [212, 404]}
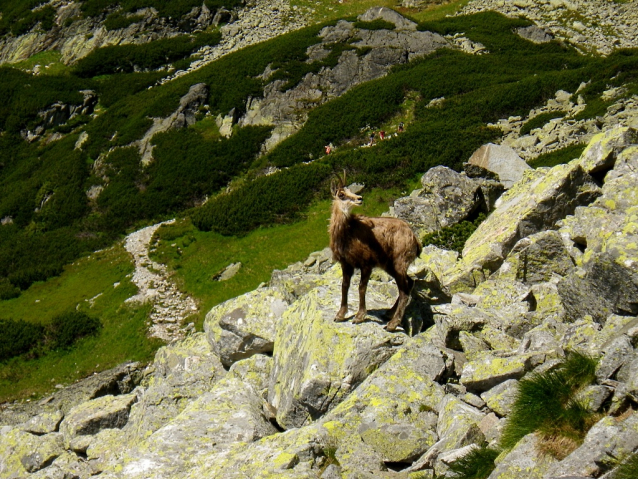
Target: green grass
{"type": "Point", "coordinates": [198, 256]}
{"type": "Point", "coordinates": [540, 120]}
{"type": "Point", "coordinates": [50, 63]}
{"type": "Point", "coordinates": [87, 285]}
{"type": "Point", "coordinates": [478, 464]}
{"type": "Point", "coordinates": [628, 469]}
{"type": "Point", "coordinates": [558, 157]}
{"type": "Point", "coordinates": [546, 404]}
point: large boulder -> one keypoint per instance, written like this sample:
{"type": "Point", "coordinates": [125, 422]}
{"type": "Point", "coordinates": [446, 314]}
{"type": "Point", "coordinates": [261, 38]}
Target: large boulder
{"type": "Point", "coordinates": [389, 15]}
{"type": "Point", "coordinates": [447, 198]}
{"type": "Point", "coordinates": [317, 362]}
{"type": "Point", "coordinates": [180, 373]}
{"type": "Point", "coordinates": [231, 412]}
{"type": "Point", "coordinates": [535, 203]}
{"type": "Point", "coordinates": [245, 325]}
{"type": "Point", "coordinates": [22, 453]}
{"type": "Point", "coordinates": [501, 160]}
{"type": "Point", "coordinates": [524, 461]}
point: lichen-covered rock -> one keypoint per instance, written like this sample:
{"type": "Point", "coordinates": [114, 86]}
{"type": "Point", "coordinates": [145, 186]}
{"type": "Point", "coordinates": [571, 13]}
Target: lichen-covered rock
{"type": "Point", "coordinates": [535, 203]}
{"type": "Point", "coordinates": [245, 325]}
{"type": "Point", "coordinates": [447, 198]}
{"type": "Point", "coordinates": [254, 371]}
{"type": "Point", "coordinates": [399, 392]}
{"type": "Point", "coordinates": [102, 413]}
{"type": "Point", "coordinates": [44, 423]}
{"type": "Point", "coordinates": [523, 461]}
{"type": "Point", "coordinates": [501, 160]}
{"type": "Point", "coordinates": [501, 397]}
{"type": "Point", "coordinates": [488, 370]}
{"type": "Point", "coordinates": [609, 438]}
{"type": "Point", "coordinates": [389, 15]}
{"type": "Point", "coordinates": [22, 453]}
{"type": "Point", "coordinates": [452, 319]}
{"type": "Point", "coordinates": [458, 424]}
{"type": "Point", "coordinates": [64, 466]}
{"type": "Point", "coordinates": [105, 449]}
{"type": "Point", "coordinates": [317, 361]}
{"type": "Point", "coordinates": [231, 412]}
{"type": "Point", "coordinates": [537, 259]}
{"type": "Point", "coordinates": [593, 396]}
{"type": "Point", "coordinates": [602, 150]}
{"type": "Point", "coordinates": [616, 354]}
{"type": "Point", "coordinates": [181, 372]}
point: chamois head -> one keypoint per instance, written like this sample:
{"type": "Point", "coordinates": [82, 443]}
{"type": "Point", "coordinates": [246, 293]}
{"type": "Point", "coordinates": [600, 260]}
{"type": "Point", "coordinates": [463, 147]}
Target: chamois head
{"type": "Point", "coordinates": [342, 197]}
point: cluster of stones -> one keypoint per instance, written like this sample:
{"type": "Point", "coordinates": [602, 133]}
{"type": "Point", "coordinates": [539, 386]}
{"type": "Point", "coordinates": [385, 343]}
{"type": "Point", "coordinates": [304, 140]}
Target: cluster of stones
{"type": "Point", "coordinates": [598, 25]}
{"type": "Point", "coordinates": [170, 306]}
{"type": "Point", "coordinates": [275, 388]}
{"type": "Point", "coordinates": [564, 130]}
{"type": "Point", "coordinates": [257, 21]}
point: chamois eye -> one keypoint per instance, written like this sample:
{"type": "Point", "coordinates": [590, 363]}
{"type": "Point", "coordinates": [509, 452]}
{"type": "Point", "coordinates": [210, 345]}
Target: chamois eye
{"type": "Point", "coordinates": [341, 196]}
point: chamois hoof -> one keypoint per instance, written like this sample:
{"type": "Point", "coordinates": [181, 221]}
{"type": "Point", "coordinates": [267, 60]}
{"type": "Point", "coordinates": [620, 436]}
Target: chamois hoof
{"type": "Point", "coordinates": [392, 326]}
{"type": "Point", "coordinates": [339, 319]}
{"type": "Point", "coordinates": [359, 318]}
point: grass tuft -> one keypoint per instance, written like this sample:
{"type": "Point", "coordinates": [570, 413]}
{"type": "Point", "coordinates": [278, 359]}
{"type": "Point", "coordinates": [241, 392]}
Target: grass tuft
{"type": "Point", "coordinates": [546, 404]}
{"type": "Point", "coordinates": [628, 469]}
{"type": "Point", "coordinates": [478, 464]}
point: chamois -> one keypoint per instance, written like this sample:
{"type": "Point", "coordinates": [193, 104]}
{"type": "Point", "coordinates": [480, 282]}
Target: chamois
{"type": "Point", "coordinates": [365, 243]}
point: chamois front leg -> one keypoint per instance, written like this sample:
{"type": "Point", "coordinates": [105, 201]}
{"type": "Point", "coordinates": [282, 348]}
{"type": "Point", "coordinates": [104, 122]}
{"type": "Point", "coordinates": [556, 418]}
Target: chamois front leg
{"type": "Point", "coordinates": [363, 286]}
{"type": "Point", "coordinates": [347, 272]}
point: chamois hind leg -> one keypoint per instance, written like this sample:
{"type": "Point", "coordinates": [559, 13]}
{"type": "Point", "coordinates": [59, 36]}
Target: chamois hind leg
{"type": "Point", "coordinates": [347, 271]}
{"type": "Point", "coordinates": [405, 283]}
{"type": "Point", "coordinates": [363, 286]}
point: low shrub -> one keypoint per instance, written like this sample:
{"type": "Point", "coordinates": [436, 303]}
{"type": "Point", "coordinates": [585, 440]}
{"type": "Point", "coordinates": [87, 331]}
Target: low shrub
{"type": "Point", "coordinates": [558, 157]}
{"type": "Point", "coordinates": [540, 120]}
{"type": "Point", "coordinates": [546, 403]}
{"type": "Point", "coordinates": [18, 337]}
{"type": "Point", "coordinates": [7, 290]}
{"type": "Point", "coordinates": [378, 24]}
{"type": "Point", "coordinates": [453, 237]}
{"type": "Point", "coordinates": [44, 16]}
{"type": "Point", "coordinates": [117, 20]}
{"type": "Point", "coordinates": [65, 329]}
{"type": "Point", "coordinates": [478, 464]}
{"type": "Point", "coordinates": [133, 57]}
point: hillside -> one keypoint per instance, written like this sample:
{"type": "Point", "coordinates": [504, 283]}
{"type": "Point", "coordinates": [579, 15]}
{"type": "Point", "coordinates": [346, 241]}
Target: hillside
{"type": "Point", "coordinates": [122, 116]}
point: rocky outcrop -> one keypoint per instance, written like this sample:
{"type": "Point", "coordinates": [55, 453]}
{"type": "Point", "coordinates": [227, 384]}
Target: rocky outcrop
{"type": "Point", "coordinates": [551, 270]}
{"type": "Point", "coordinates": [288, 110]}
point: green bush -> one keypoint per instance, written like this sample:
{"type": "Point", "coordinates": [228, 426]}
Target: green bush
{"type": "Point", "coordinates": [129, 58]}
{"type": "Point", "coordinates": [166, 8]}
{"type": "Point", "coordinates": [378, 24]}
{"type": "Point", "coordinates": [44, 16]}
{"type": "Point", "coordinates": [65, 329]}
{"type": "Point", "coordinates": [7, 290]}
{"type": "Point", "coordinates": [558, 157]}
{"type": "Point", "coordinates": [540, 120]}
{"type": "Point", "coordinates": [453, 237]}
{"type": "Point", "coordinates": [545, 403]}
{"type": "Point", "coordinates": [478, 464]}
{"type": "Point", "coordinates": [117, 20]}
{"type": "Point", "coordinates": [18, 337]}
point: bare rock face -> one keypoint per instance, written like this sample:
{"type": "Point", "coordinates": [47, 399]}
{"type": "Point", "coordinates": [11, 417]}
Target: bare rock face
{"type": "Point", "coordinates": [389, 15]}
{"type": "Point", "coordinates": [447, 198]}
{"type": "Point", "coordinates": [501, 160]}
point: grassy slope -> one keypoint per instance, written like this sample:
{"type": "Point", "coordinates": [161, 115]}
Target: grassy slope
{"type": "Point", "coordinates": [122, 338]}
{"type": "Point", "coordinates": [197, 256]}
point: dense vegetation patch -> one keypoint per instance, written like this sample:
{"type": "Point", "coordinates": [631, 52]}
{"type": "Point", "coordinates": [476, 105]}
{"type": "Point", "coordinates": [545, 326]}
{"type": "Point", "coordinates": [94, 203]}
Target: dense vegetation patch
{"type": "Point", "coordinates": [19, 337]}
{"type": "Point", "coordinates": [166, 8]}
{"type": "Point", "coordinates": [547, 403]}
{"type": "Point", "coordinates": [454, 237]}
{"type": "Point", "coordinates": [133, 57]}
{"type": "Point", "coordinates": [478, 464]}
{"type": "Point", "coordinates": [558, 157]}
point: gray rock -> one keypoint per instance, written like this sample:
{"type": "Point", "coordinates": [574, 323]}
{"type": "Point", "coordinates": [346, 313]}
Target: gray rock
{"type": "Point", "coordinates": [245, 325]}
{"type": "Point", "coordinates": [254, 371]}
{"type": "Point", "coordinates": [501, 398]}
{"type": "Point", "coordinates": [44, 423]}
{"type": "Point", "coordinates": [181, 372]}
{"type": "Point", "coordinates": [388, 15]}
{"type": "Point", "coordinates": [608, 438]}
{"type": "Point", "coordinates": [501, 160]}
{"type": "Point", "coordinates": [90, 417]}
{"type": "Point", "coordinates": [615, 355]}
{"type": "Point", "coordinates": [523, 461]}
{"type": "Point", "coordinates": [534, 34]}
{"type": "Point", "coordinates": [447, 198]}
{"type": "Point", "coordinates": [601, 153]}
{"type": "Point", "coordinates": [594, 396]}
{"type": "Point", "coordinates": [533, 204]}
{"type": "Point", "coordinates": [487, 370]}
{"type": "Point", "coordinates": [318, 362]}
